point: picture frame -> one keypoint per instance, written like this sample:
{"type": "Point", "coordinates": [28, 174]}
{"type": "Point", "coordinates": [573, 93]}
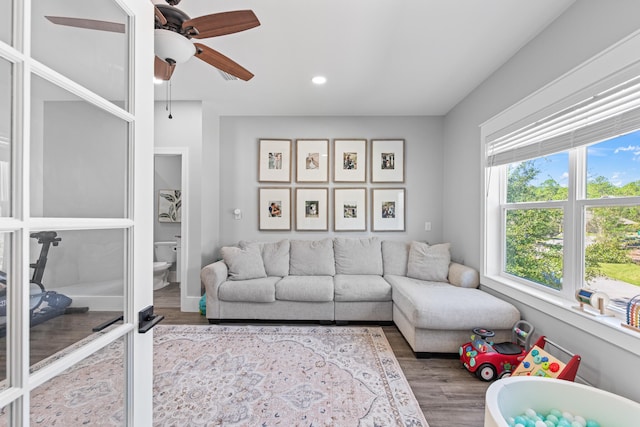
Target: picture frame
{"type": "Point", "coordinates": [350, 160]}
{"type": "Point", "coordinates": [274, 205]}
{"type": "Point", "coordinates": [350, 209]}
{"type": "Point", "coordinates": [274, 160]}
{"type": "Point", "coordinates": [388, 207]}
{"type": "Point", "coordinates": [312, 160]}
{"type": "Point", "coordinates": [387, 160]}
{"type": "Point", "coordinates": [169, 205]}
{"type": "Point", "coordinates": [312, 209]}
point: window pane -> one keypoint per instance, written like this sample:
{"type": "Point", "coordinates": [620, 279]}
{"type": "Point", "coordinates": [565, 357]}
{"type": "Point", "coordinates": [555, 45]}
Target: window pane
{"type": "Point", "coordinates": [613, 167]}
{"type": "Point", "coordinates": [95, 58]}
{"type": "Point", "coordinates": [534, 245]}
{"type": "Point", "coordinates": [538, 180]}
{"type": "Point", "coordinates": [612, 252]}
{"type": "Point", "coordinates": [91, 392]}
{"type": "Point", "coordinates": [5, 137]}
{"type": "Point", "coordinates": [82, 275]}
{"type": "Point", "coordinates": [79, 156]}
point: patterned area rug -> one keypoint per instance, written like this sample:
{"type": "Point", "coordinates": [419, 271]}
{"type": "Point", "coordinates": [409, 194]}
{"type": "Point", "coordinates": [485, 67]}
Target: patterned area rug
{"type": "Point", "coordinates": [246, 376]}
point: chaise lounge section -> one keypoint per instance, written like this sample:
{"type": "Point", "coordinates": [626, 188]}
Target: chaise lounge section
{"type": "Point", "coordinates": [433, 301]}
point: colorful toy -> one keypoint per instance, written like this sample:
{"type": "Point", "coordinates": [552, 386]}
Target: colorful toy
{"type": "Point", "coordinates": [633, 314]}
{"type": "Point", "coordinates": [489, 360]}
{"type": "Point", "coordinates": [538, 362]}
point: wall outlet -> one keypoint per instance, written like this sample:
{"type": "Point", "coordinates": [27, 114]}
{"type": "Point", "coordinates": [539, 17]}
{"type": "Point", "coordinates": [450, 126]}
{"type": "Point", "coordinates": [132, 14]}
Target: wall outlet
{"type": "Point", "coordinates": [427, 226]}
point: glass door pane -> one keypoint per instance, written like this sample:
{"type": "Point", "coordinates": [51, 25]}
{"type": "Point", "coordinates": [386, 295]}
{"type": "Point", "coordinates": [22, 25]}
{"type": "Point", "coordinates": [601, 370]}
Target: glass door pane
{"type": "Point", "coordinates": [78, 285]}
{"type": "Point", "coordinates": [5, 137]}
{"type": "Point", "coordinates": [79, 157]}
{"type": "Point", "coordinates": [5, 263]}
{"type": "Point", "coordinates": [86, 41]}
{"type": "Point", "coordinates": [6, 21]}
{"type": "Point", "coordinates": [91, 392]}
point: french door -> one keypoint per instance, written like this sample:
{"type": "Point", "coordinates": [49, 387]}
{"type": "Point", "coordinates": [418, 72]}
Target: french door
{"type": "Point", "coordinates": [76, 185]}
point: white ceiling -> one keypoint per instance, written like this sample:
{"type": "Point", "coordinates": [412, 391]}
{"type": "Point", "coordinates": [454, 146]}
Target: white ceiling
{"type": "Point", "coordinates": [381, 57]}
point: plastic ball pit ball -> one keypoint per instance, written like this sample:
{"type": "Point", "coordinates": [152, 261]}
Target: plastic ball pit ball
{"type": "Point", "coordinates": [554, 418]}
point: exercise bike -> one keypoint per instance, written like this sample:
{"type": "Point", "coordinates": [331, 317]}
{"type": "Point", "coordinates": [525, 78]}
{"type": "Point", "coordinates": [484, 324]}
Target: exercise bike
{"type": "Point", "coordinates": [43, 305]}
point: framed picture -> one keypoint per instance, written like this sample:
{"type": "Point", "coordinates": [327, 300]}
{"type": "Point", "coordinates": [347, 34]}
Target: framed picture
{"type": "Point", "coordinates": [350, 160]}
{"type": "Point", "coordinates": [387, 160]}
{"type": "Point", "coordinates": [275, 209]}
{"type": "Point", "coordinates": [312, 160]}
{"type": "Point", "coordinates": [169, 206]}
{"type": "Point", "coordinates": [274, 160]}
{"type": "Point", "coordinates": [312, 209]}
{"type": "Point", "coordinates": [350, 209]}
{"type": "Point", "coordinates": [388, 209]}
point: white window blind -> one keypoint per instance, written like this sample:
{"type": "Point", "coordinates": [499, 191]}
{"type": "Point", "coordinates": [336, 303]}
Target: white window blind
{"type": "Point", "coordinates": [610, 113]}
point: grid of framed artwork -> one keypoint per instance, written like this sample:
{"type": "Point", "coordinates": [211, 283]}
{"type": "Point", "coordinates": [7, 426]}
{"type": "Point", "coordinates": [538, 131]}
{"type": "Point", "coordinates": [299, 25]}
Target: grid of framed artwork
{"type": "Point", "coordinates": [354, 203]}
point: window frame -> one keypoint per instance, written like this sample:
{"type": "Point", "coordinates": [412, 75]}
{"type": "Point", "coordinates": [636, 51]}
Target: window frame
{"type": "Point", "coordinates": [613, 66]}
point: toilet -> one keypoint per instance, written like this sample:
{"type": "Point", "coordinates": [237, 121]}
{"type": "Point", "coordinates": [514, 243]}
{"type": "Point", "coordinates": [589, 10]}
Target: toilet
{"type": "Point", "coordinates": [165, 255]}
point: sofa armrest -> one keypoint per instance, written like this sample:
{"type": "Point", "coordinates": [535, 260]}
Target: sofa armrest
{"type": "Point", "coordinates": [463, 276]}
{"type": "Point", "coordinates": [211, 277]}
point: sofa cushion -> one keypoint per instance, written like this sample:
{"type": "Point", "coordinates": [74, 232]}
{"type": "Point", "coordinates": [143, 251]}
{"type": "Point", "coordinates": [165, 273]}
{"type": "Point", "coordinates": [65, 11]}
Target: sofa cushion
{"type": "Point", "coordinates": [395, 255]}
{"type": "Point", "coordinates": [429, 262]}
{"type": "Point", "coordinates": [243, 263]}
{"type": "Point", "coordinates": [437, 305]}
{"type": "Point", "coordinates": [254, 290]}
{"type": "Point", "coordinates": [275, 256]}
{"type": "Point", "coordinates": [311, 258]}
{"type": "Point", "coordinates": [354, 287]}
{"type": "Point", "coordinates": [358, 256]}
{"type": "Point", "coordinates": [305, 288]}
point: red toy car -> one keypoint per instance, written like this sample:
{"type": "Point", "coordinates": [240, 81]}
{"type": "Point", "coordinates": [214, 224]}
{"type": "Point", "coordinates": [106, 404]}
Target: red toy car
{"type": "Point", "coordinates": [489, 360]}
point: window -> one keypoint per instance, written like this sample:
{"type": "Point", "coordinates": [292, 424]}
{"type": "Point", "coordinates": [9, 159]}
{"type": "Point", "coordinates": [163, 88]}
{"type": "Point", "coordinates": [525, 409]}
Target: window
{"type": "Point", "coordinates": [563, 198]}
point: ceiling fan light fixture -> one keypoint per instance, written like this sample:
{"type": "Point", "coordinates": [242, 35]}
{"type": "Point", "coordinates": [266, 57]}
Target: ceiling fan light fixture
{"type": "Point", "coordinates": [173, 46]}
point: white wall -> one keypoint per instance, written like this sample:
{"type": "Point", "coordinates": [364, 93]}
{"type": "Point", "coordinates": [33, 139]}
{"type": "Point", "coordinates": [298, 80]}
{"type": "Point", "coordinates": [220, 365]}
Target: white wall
{"type": "Point", "coordinates": [184, 130]}
{"type": "Point", "coordinates": [587, 28]}
{"type": "Point", "coordinates": [238, 162]}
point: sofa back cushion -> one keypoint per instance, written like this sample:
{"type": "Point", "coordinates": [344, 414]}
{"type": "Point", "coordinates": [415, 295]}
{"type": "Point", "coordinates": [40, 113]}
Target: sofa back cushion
{"type": "Point", "coordinates": [275, 256]}
{"type": "Point", "coordinates": [429, 262]}
{"type": "Point", "coordinates": [358, 256]}
{"type": "Point", "coordinates": [311, 258]}
{"type": "Point", "coordinates": [395, 255]}
{"type": "Point", "coordinates": [243, 263]}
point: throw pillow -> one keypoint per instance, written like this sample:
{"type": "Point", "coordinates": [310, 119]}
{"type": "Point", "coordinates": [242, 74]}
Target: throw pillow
{"type": "Point", "coordinates": [275, 256]}
{"type": "Point", "coordinates": [243, 263]}
{"type": "Point", "coordinates": [429, 262]}
{"type": "Point", "coordinates": [312, 258]}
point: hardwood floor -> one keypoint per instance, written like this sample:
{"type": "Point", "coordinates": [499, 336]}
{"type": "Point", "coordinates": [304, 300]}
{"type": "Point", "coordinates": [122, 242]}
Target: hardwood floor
{"type": "Point", "coordinates": [448, 395]}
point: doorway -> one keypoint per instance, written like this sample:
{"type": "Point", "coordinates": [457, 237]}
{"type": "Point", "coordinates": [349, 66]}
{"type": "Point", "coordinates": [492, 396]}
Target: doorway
{"type": "Point", "coordinates": [170, 222]}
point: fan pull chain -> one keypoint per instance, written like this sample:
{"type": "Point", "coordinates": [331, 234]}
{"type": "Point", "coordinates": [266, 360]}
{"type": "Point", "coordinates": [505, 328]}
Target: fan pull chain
{"type": "Point", "coordinates": [168, 105]}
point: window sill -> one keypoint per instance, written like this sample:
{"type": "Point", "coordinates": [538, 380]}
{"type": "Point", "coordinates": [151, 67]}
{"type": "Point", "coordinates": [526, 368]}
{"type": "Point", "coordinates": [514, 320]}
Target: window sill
{"type": "Point", "coordinates": [606, 328]}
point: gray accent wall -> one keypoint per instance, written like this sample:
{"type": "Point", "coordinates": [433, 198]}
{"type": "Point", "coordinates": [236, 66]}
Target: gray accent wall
{"type": "Point", "coordinates": [238, 162]}
{"type": "Point", "coordinates": [584, 30]}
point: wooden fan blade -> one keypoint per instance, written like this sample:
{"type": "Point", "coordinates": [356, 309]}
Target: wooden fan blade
{"type": "Point", "coordinates": [159, 16]}
{"type": "Point", "coordinates": [89, 24]}
{"type": "Point", "coordinates": [219, 24]}
{"type": "Point", "coordinates": [163, 70]}
{"type": "Point", "coordinates": [221, 62]}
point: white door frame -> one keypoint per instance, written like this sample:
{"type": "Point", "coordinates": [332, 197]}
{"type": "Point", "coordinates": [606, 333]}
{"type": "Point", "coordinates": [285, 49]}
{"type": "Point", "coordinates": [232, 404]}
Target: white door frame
{"type": "Point", "coordinates": [183, 152]}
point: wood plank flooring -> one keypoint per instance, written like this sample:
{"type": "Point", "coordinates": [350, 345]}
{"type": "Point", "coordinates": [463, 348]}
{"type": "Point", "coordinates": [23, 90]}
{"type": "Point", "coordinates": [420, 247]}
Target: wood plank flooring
{"type": "Point", "coordinates": [448, 395]}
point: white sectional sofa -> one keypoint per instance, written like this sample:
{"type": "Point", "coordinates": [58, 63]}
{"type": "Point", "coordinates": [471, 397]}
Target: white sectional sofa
{"type": "Point", "coordinates": [433, 301]}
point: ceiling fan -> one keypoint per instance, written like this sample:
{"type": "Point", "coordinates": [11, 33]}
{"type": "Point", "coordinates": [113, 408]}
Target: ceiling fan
{"type": "Point", "coordinates": [174, 30]}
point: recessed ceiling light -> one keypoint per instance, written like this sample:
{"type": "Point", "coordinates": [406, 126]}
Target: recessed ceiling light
{"type": "Point", "coordinates": [319, 80]}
